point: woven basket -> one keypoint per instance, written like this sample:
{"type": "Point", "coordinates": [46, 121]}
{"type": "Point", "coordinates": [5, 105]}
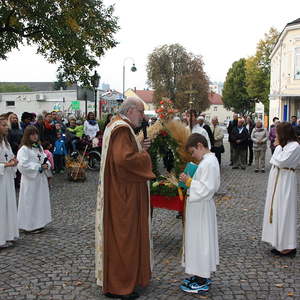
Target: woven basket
{"type": "Point", "coordinates": [76, 170]}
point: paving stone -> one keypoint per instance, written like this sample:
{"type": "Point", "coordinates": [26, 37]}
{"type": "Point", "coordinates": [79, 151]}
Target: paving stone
{"type": "Point", "coordinates": [59, 263]}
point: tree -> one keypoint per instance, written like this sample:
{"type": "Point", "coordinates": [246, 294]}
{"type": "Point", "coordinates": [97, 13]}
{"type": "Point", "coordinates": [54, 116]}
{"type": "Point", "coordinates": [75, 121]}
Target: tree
{"type": "Point", "coordinates": [235, 94]}
{"type": "Point", "coordinates": [258, 69]}
{"type": "Point", "coordinates": [60, 83]}
{"type": "Point", "coordinates": [178, 75]}
{"type": "Point", "coordinates": [72, 33]}
{"type": "Point", "coordinates": [11, 88]}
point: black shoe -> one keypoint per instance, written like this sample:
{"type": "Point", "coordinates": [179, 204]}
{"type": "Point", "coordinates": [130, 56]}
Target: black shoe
{"type": "Point", "coordinates": [263, 171]}
{"type": "Point", "coordinates": [275, 251]}
{"type": "Point", "coordinates": [249, 164]}
{"type": "Point", "coordinates": [36, 231]}
{"type": "Point", "coordinates": [243, 168]}
{"type": "Point", "coordinates": [256, 171]}
{"type": "Point", "coordinates": [292, 253]}
{"type": "Point", "coordinates": [131, 296]}
{"type": "Point", "coordinates": [235, 167]}
{"type": "Point", "coordinates": [231, 164]}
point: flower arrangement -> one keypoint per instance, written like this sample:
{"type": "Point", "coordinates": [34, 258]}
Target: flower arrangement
{"type": "Point", "coordinates": [165, 146]}
{"type": "Point", "coordinates": [166, 110]}
{"type": "Point", "coordinates": [161, 186]}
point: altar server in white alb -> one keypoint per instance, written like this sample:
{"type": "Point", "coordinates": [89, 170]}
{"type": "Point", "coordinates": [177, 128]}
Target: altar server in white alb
{"type": "Point", "coordinates": [34, 211]}
{"type": "Point", "coordinates": [201, 250]}
{"type": "Point", "coordinates": [280, 217]}
{"type": "Point", "coordinates": [8, 205]}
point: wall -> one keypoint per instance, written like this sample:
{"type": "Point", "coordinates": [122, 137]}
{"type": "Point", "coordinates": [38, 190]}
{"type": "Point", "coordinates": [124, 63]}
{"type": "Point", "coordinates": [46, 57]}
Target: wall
{"type": "Point", "coordinates": [284, 88]}
{"type": "Point", "coordinates": [220, 111]}
{"type": "Point", "coordinates": [52, 100]}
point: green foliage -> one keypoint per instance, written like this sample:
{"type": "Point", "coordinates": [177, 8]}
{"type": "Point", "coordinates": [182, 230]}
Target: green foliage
{"type": "Point", "coordinates": [60, 83]}
{"type": "Point", "coordinates": [178, 75]}
{"type": "Point", "coordinates": [235, 94]}
{"type": "Point", "coordinates": [258, 69]}
{"type": "Point", "coordinates": [163, 189]}
{"type": "Point", "coordinates": [159, 146]}
{"type": "Point", "coordinates": [101, 123]}
{"type": "Point", "coordinates": [72, 33]}
{"type": "Point", "coordinates": [11, 87]}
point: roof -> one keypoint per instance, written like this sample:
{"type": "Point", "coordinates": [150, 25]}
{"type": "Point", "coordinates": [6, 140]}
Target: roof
{"type": "Point", "coordinates": [297, 21]}
{"type": "Point", "coordinates": [145, 95]}
{"type": "Point", "coordinates": [282, 33]}
{"type": "Point", "coordinates": [41, 86]}
{"type": "Point", "coordinates": [215, 98]}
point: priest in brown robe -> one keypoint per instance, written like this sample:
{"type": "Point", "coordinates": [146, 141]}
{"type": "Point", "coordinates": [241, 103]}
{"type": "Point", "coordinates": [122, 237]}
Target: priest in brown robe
{"type": "Point", "coordinates": [123, 232]}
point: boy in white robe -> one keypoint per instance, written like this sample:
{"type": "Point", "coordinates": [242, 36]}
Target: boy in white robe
{"type": "Point", "coordinates": [201, 250]}
{"type": "Point", "coordinates": [280, 216]}
{"type": "Point", "coordinates": [8, 205]}
{"type": "Point", "coordinates": [34, 211]}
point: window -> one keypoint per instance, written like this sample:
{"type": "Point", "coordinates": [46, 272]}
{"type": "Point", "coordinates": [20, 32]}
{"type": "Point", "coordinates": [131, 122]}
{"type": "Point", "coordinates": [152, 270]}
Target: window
{"type": "Point", "coordinates": [10, 103]}
{"type": "Point", "coordinates": [215, 108]}
{"type": "Point", "coordinates": [297, 63]}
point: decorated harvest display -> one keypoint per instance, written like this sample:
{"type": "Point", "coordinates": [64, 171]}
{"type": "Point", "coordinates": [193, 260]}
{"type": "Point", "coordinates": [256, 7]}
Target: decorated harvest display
{"type": "Point", "coordinates": [168, 156]}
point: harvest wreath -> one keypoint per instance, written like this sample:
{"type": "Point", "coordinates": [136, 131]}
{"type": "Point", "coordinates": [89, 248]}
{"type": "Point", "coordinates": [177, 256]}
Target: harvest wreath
{"type": "Point", "coordinates": [168, 138]}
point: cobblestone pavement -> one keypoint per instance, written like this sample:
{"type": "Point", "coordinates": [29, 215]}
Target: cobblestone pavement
{"type": "Point", "coordinates": [59, 263]}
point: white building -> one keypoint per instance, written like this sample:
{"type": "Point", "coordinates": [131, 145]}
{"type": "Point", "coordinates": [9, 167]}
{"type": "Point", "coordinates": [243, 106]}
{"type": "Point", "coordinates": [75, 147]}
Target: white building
{"type": "Point", "coordinates": [40, 101]}
{"type": "Point", "coordinates": [285, 74]}
{"type": "Point", "coordinates": [217, 109]}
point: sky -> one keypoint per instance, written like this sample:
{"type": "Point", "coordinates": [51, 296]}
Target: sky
{"type": "Point", "coordinates": [221, 31]}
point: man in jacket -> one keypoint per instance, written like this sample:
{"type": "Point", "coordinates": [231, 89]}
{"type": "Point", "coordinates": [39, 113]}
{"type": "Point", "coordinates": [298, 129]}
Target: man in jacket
{"type": "Point", "coordinates": [218, 135]}
{"type": "Point", "coordinates": [239, 138]}
{"type": "Point", "coordinates": [232, 124]}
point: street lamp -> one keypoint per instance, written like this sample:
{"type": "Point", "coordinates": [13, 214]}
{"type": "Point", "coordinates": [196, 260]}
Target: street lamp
{"type": "Point", "coordinates": [132, 69]}
{"type": "Point", "coordinates": [95, 83]}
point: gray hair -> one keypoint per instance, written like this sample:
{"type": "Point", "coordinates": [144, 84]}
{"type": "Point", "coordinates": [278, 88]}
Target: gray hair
{"type": "Point", "coordinates": [130, 102]}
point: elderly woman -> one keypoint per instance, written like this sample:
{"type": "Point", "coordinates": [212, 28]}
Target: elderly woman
{"type": "Point", "coordinates": [259, 137]}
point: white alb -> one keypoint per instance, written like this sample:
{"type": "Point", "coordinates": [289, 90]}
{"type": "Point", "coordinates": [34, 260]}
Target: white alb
{"type": "Point", "coordinates": [201, 250]}
{"type": "Point", "coordinates": [34, 202]}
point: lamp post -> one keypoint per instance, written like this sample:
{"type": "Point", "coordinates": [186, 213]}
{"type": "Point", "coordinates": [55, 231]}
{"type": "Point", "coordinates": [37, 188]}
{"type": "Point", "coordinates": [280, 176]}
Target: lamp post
{"type": "Point", "coordinates": [95, 79]}
{"type": "Point", "coordinates": [132, 69]}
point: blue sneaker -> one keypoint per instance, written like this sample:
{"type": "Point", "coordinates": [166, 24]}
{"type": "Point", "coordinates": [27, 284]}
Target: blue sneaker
{"type": "Point", "coordinates": [192, 279]}
{"type": "Point", "coordinates": [194, 288]}
{"type": "Point", "coordinates": [189, 280]}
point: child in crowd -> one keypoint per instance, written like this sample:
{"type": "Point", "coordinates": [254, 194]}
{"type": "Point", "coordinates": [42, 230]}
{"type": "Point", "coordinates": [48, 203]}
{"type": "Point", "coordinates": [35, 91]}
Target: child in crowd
{"type": "Point", "coordinates": [97, 140]}
{"type": "Point", "coordinates": [201, 251]}
{"type": "Point", "coordinates": [74, 133]}
{"type": "Point", "coordinates": [47, 147]}
{"type": "Point", "coordinates": [34, 211]}
{"type": "Point", "coordinates": [59, 153]}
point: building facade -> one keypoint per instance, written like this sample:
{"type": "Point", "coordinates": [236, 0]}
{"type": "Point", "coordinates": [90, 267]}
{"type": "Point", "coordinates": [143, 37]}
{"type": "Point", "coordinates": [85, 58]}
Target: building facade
{"type": "Point", "coordinates": [217, 109]}
{"type": "Point", "coordinates": [285, 74]}
{"type": "Point", "coordinates": [39, 101]}
{"type": "Point", "coordinates": [146, 96]}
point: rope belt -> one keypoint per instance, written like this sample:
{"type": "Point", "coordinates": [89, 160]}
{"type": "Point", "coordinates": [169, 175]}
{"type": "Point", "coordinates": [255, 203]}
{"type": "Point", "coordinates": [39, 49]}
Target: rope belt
{"type": "Point", "coordinates": [289, 169]}
{"type": "Point", "coordinates": [276, 181]}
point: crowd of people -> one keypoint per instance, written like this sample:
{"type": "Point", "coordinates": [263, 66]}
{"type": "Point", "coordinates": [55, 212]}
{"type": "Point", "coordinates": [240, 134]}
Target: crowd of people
{"type": "Point", "coordinates": [249, 139]}
{"type": "Point", "coordinates": [31, 151]}
{"type": "Point", "coordinates": [123, 229]}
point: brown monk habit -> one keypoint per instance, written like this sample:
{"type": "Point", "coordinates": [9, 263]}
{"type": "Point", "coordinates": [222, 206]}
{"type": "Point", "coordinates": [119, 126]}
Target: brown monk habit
{"type": "Point", "coordinates": [126, 215]}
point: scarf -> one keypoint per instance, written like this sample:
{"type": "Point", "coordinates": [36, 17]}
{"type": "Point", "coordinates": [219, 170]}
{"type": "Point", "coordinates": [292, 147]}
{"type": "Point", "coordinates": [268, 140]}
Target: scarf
{"type": "Point", "coordinates": [92, 122]}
